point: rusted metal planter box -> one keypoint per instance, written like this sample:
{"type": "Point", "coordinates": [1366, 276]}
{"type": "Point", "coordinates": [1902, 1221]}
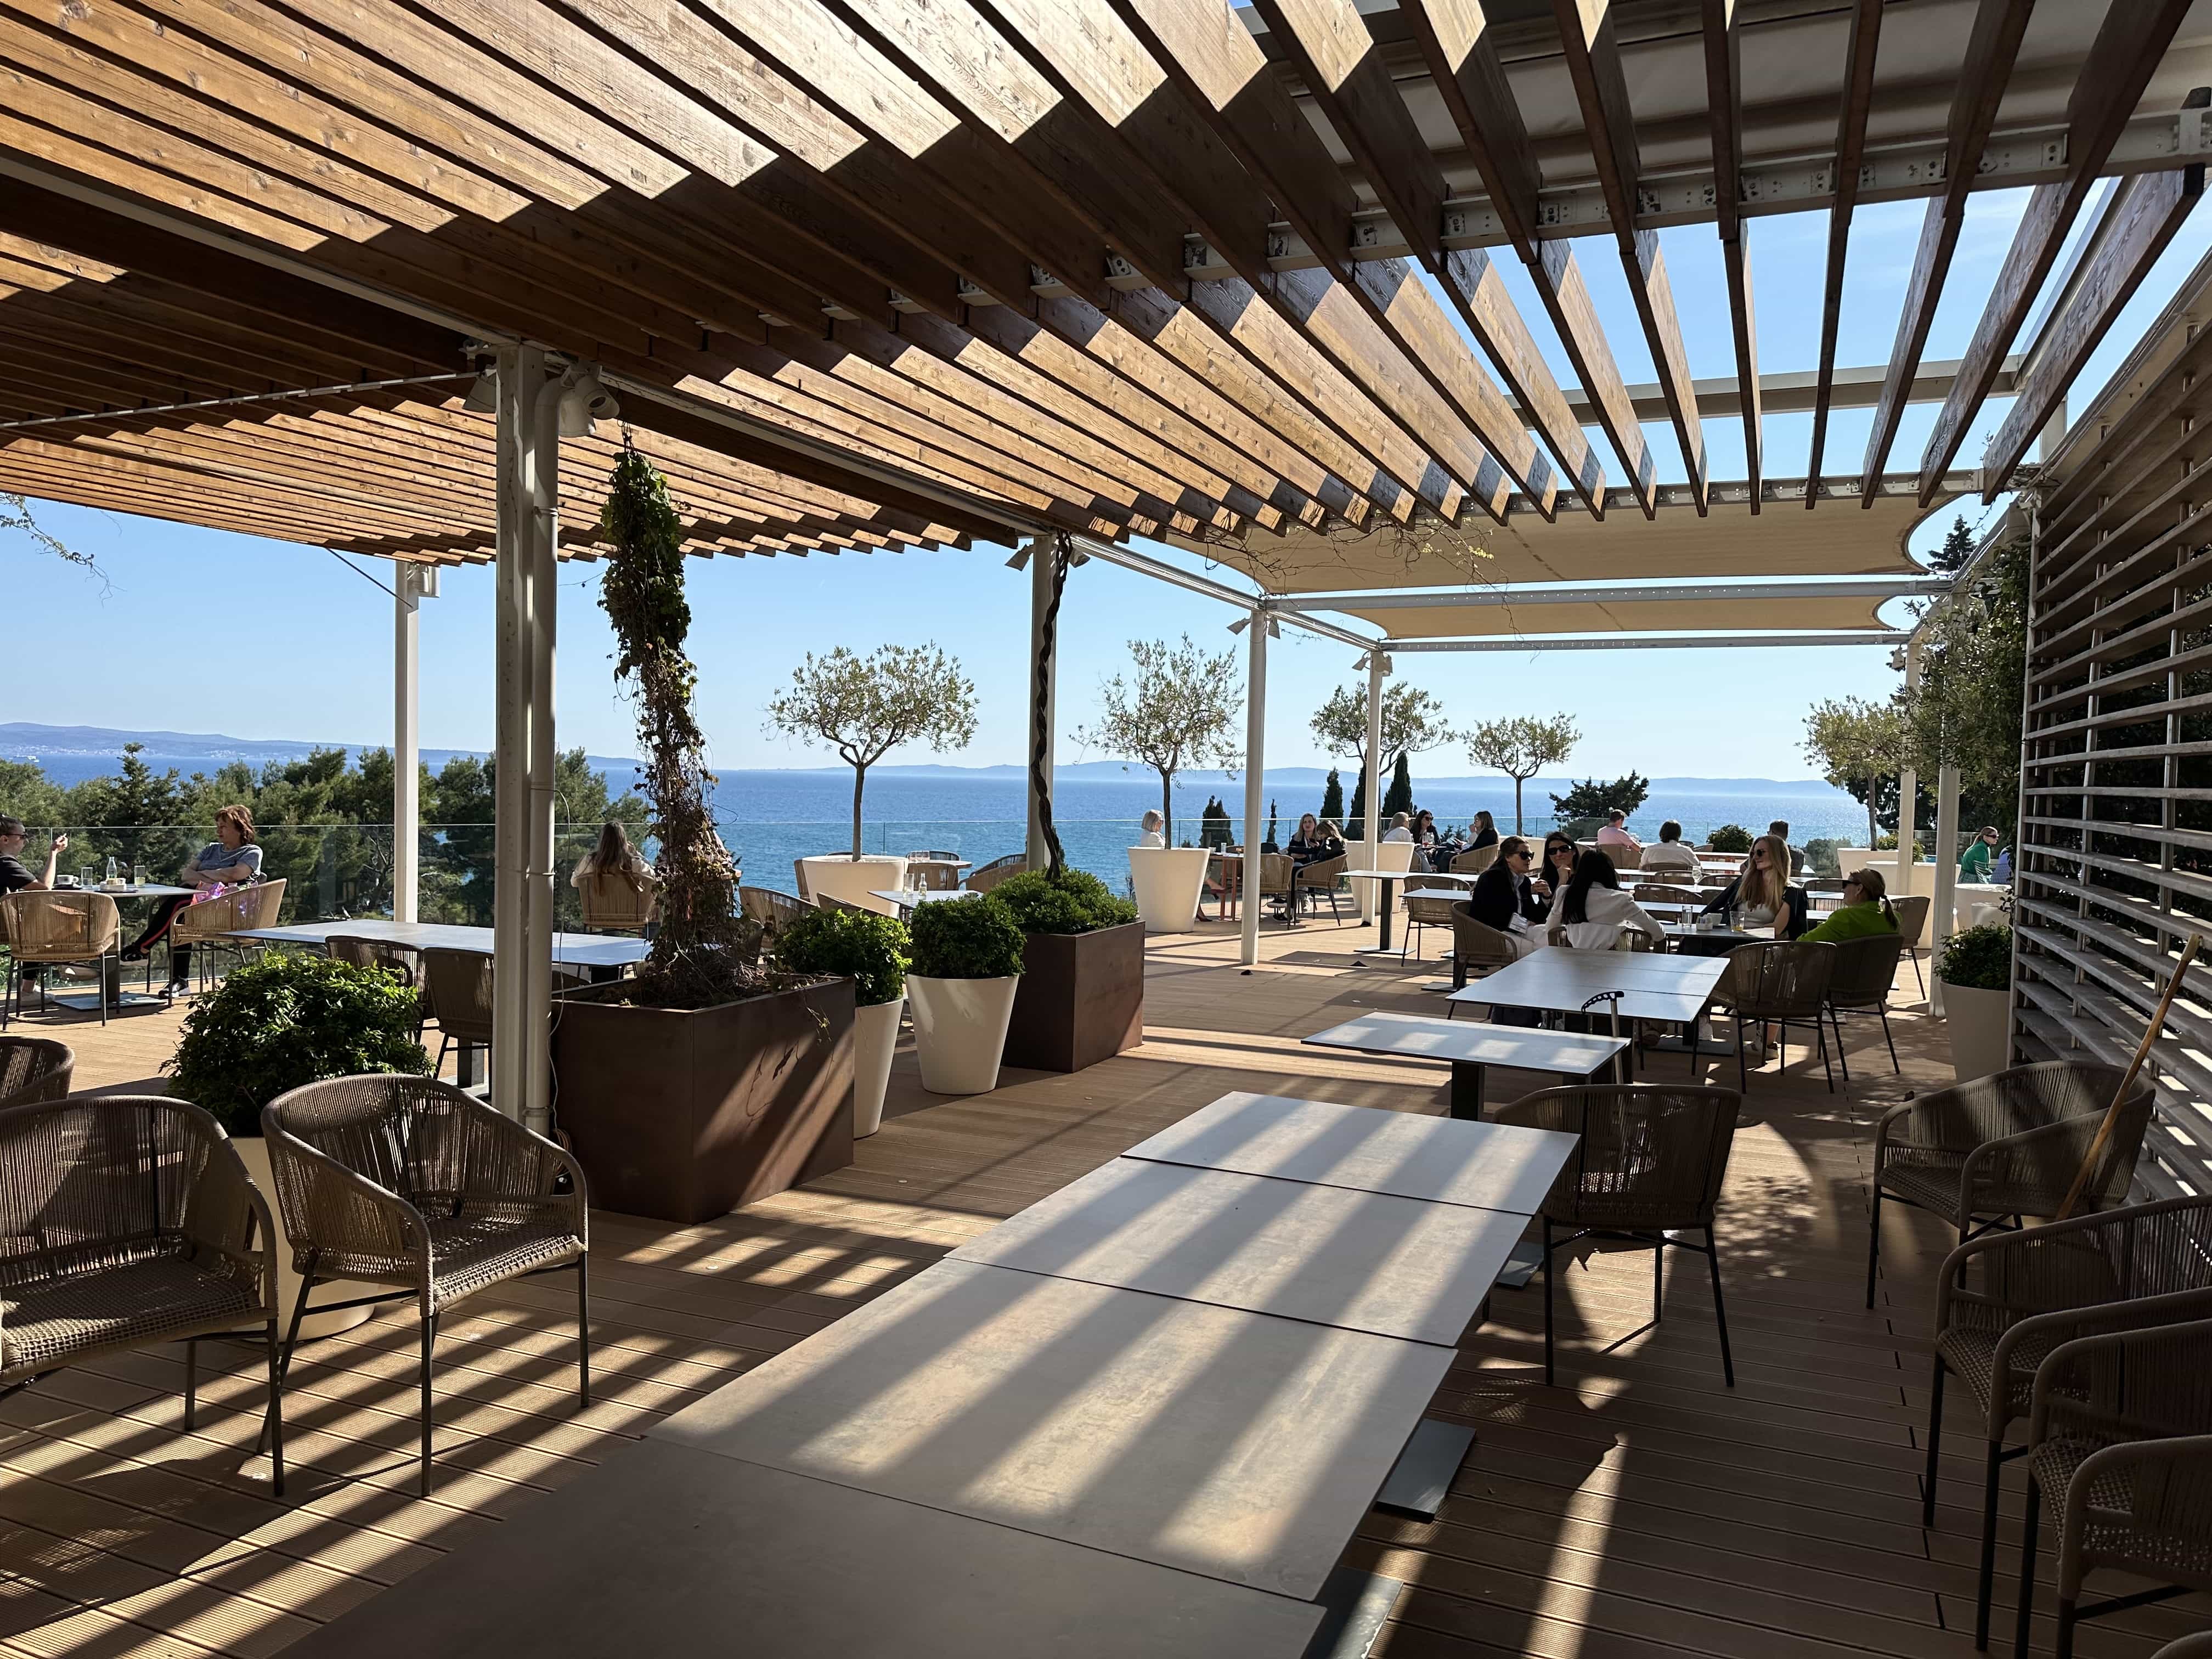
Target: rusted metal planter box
{"type": "Point", "coordinates": [1081, 999]}
{"type": "Point", "coordinates": [684, 1114]}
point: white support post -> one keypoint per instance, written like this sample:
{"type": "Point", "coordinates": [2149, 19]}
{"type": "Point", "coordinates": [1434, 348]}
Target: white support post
{"type": "Point", "coordinates": [1040, 567]}
{"type": "Point", "coordinates": [1943, 914]}
{"type": "Point", "coordinates": [1908, 789]}
{"type": "Point", "coordinates": [1255, 732]}
{"type": "Point", "coordinates": [412, 584]}
{"type": "Point", "coordinates": [545, 592]}
{"type": "Point", "coordinates": [520, 371]}
{"type": "Point", "coordinates": [1378, 666]}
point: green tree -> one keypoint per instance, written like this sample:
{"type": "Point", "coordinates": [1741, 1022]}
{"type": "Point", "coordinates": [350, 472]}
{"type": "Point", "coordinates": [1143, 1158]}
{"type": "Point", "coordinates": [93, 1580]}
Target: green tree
{"type": "Point", "coordinates": [1855, 744]}
{"type": "Point", "coordinates": [1593, 798]}
{"type": "Point", "coordinates": [1355, 815]}
{"type": "Point", "coordinates": [1332, 798]}
{"type": "Point", "coordinates": [1958, 548]}
{"type": "Point", "coordinates": [27, 793]}
{"type": "Point", "coordinates": [1413, 723]}
{"type": "Point", "coordinates": [1398, 794]}
{"type": "Point", "coordinates": [1521, 746]}
{"type": "Point", "coordinates": [1173, 711]}
{"type": "Point", "coordinates": [1966, 711]}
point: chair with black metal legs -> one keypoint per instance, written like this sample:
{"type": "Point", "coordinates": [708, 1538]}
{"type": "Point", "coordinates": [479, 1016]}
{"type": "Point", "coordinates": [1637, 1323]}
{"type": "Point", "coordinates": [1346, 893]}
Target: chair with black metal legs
{"type": "Point", "coordinates": [1650, 1164]}
{"type": "Point", "coordinates": [1911, 920]}
{"type": "Point", "coordinates": [1859, 982]}
{"type": "Point", "coordinates": [2007, 1299]}
{"type": "Point", "coordinates": [410, 1182]}
{"type": "Point", "coordinates": [1782, 983]}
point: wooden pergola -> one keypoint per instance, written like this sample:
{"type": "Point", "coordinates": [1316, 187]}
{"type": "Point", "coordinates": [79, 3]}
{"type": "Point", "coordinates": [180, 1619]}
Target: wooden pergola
{"type": "Point", "coordinates": [869, 276]}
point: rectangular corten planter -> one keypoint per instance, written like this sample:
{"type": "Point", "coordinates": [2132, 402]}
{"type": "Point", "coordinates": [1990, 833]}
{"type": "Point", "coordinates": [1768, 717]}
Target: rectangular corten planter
{"type": "Point", "coordinates": [1080, 999]}
{"type": "Point", "coordinates": [684, 1114]}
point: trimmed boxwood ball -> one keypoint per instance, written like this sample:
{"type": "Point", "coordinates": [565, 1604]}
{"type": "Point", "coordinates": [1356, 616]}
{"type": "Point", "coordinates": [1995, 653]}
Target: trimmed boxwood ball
{"type": "Point", "coordinates": [870, 951]}
{"type": "Point", "coordinates": [1977, 958]}
{"type": "Point", "coordinates": [966, 939]}
{"type": "Point", "coordinates": [1730, 838]}
{"type": "Point", "coordinates": [291, 1020]}
{"type": "Point", "coordinates": [1073, 902]}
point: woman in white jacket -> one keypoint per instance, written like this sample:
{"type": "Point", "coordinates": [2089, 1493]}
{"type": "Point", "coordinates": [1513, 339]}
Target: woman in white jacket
{"type": "Point", "coordinates": [1592, 909]}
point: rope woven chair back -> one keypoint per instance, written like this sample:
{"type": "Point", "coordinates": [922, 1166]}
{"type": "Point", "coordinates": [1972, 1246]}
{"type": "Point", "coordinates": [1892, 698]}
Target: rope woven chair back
{"type": "Point", "coordinates": [1659, 892]}
{"type": "Point", "coordinates": [983, 880]}
{"type": "Point", "coordinates": [775, 911]}
{"type": "Point", "coordinates": [399, 960]}
{"type": "Point", "coordinates": [1911, 916]}
{"type": "Point", "coordinates": [934, 872]}
{"type": "Point", "coordinates": [61, 926]}
{"type": "Point", "coordinates": [1865, 970]}
{"type": "Point", "coordinates": [1477, 944]}
{"type": "Point", "coordinates": [2120, 1256]}
{"type": "Point", "coordinates": [33, 1069]}
{"type": "Point", "coordinates": [1779, 979]}
{"type": "Point", "coordinates": [1275, 873]}
{"type": "Point", "coordinates": [2036, 1173]}
{"type": "Point", "coordinates": [614, 898]}
{"type": "Point", "coordinates": [457, 992]}
{"type": "Point", "coordinates": [831, 902]}
{"type": "Point", "coordinates": [1324, 873]}
{"type": "Point", "coordinates": [106, 1181]}
{"type": "Point", "coordinates": [1649, 1157]}
{"type": "Point", "coordinates": [208, 922]}
{"type": "Point", "coordinates": [1625, 857]}
{"type": "Point", "coordinates": [1475, 861]}
{"type": "Point", "coordinates": [1431, 904]}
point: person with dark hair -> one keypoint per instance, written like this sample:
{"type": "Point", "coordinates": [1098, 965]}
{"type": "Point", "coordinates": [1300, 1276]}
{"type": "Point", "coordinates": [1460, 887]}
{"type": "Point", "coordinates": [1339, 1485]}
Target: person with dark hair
{"type": "Point", "coordinates": [231, 860]}
{"type": "Point", "coordinates": [1559, 864]}
{"type": "Point", "coordinates": [1780, 831]}
{"type": "Point", "coordinates": [1486, 833]}
{"type": "Point", "coordinates": [15, 875]}
{"type": "Point", "coordinates": [1502, 896]}
{"type": "Point", "coordinates": [1592, 910]}
{"type": "Point", "coordinates": [1614, 831]}
{"type": "Point", "coordinates": [1668, 856]}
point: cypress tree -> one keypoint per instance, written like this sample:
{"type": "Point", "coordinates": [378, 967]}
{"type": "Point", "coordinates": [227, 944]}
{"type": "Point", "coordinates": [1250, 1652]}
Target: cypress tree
{"type": "Point", "coordinates": [1355, 815]}
{"type": "Point", "coordinates": [1332, 800]}
{"type": "Point", "coordinates": [1399, 796]}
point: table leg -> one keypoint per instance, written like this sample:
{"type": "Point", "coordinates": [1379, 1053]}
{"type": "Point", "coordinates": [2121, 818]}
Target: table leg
{"type": "Point", "coordinates": [464, 1064]}
{"type": "Point", "coordinates": [1467, 1081]}
{"type": "Point", "coordinates": [1421, 1478]}
{"type": "Point", "coordinates": [1390, 904]}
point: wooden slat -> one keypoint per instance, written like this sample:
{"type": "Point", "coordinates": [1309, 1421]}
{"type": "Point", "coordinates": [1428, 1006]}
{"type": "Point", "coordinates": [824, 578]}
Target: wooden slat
{"type": "Point", "coordinates": [1850, 146]}
{"type": "Point", "coordinates": [1724, 112]}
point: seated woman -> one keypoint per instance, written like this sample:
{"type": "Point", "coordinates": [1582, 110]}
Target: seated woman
{"type": "Point", "coordinates": [1668, 856]}
{"type": "Point", "coordinates": [1592, 909]}
{"type": "Point", "coordinates": [613, 856]}
{"type": "Point", "coordinates": [1152, 829]}
{"type": "Point", "coordinates": [1864, 912]}
{"type": "Point", "coordinates": [231, 860]}
{"type": "Point", "coordinates": [1559, 864]}
{"type": "Point", "coordinates": [1314, 841]}
{"type": "Point", "coordinates": [1504, 898]}
{"type": "Point", "coordinates": [1761, 896]}
{"type": "Point", "coordinates": [1484, 834]}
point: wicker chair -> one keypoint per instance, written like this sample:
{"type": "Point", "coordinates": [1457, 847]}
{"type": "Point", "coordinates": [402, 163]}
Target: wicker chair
{"type": "Point", "coordinates": [1651, 1162]}
{"type": "Point", "coordinates": [1427, 906]}
{"type": "Point", "coordinates": [1860, 981]}
{"type": "Point", "coordinates": [409, 1182]}
{"type": "Point", "coordinates": [775, 911]}
{"type": "Point", "coordinates": [34, 1069]}
{"type": "Point", "coordinates": [2149, 1264]}
{"type": "Point", "coordinates": [983, 880]}
{"type": "Point", "coordinates": [131, 1220]}
{"type": "Point", "coordinates": [2006, 1145]}
{"type": "Point", "coordinates": [1477, 949]}
{"type": "Point", "coordinates": [618, 903]}
{"type": "Point", "coordinates": [1625, 857]}
{"type": "Point", "coordinates": [402, 961]}
{"type": "Point", "coordinates": [1659, 892]}
{"type": "Point", "coordinates": [1475, 859]}
{"type": "Point", "coordinates": [932, 872]}
{"type": "Point", "coordinates": [1779, 982]}
{"type": "Point", "coordinates": [457, 995]}
{"type": "Point", "coordinates": [2199, 1646]}
{"type": "Point", "coordinates": [1911, 921]}
{"type": "Point", "coordinates": [1312, 883]}
{"type": "Point", "coordinates": [47, 930]}
{"type": "Point", "coordinates": [207, 926]}
{"type": "Point", "coordinates": [2120, 1453]}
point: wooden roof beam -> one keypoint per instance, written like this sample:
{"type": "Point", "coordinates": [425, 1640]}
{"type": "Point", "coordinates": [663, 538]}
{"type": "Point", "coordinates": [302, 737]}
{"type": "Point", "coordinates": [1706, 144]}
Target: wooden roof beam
{"type": "Point", "coordinates": [1724, 111]}
{"type": "Point", "coordinates": [1851, 145]}
{"type": "Point", "coordinates": [1992, 48]}
{"type": "Point", "coordinates": [1588, 40]}
{"type": "Point", "coordinates": [2111, 82]}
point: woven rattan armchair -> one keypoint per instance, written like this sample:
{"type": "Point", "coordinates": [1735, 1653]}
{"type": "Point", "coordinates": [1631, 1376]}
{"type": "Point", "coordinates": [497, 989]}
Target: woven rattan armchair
{"type": "Point", "coordinates": [1312, 883]}
{"type": "Point", "coordinates": [1911, 920]}
{"type": "Point", "coordinates": [2120, 1455]}
{"type": "Point", "coordinates": [34, 1069]}
{"type": "Point", "coordinates": [49, 929]}
{"type": "Point", "coordinates": [619, 901]}
{"type": "Point", "coordinates": [932, 872]}
{"type": "Point", "coordinates": [1659, 892]}
{"type": "Point", "coordinates": [983, 880]}
{"type": "Point", "coordinates": [2199, 1646]}
{"type": "Point", "coordinates": [1651, 1162]}
{"type": "Point", "coordinates": [126, 1220]}
{"type": "Point", "coordinates": [2148, 1264]}
{"type": "Point", "coordinates": [207, 926]}
{"type": "Point", "coordinates": [1477, 949]}
{"type": "Point", "coordinates": [402, 961]}
{"type": "Point", "coordinates": [2009, 1144]}
{"type": "Point", "coordinates": [457, 995]}
{"type": "Point", "coordinates": [1859, 982]}
{"type": "Point", "coordinates": [409, 1182]}
{"type": "Point", "coordinates": [1782, 983]}
{"type": "Point", "coordinates": [1428, 905]}
{"type": "Point", "coordinates": [1475, 859]}
{"type": "Point", "coordinates": [775, 911]}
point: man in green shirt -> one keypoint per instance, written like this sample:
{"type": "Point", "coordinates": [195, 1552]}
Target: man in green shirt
{"type": "Point", "coordinates": [1974, 862]}
{"type": "Point", "coordinates": [1865, 911]}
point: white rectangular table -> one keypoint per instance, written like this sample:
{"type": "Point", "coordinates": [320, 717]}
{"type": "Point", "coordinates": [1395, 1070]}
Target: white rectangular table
{"type": "Point", "coordinates": [1470, 1046]}
{"type": "Point", "coordinates": [1652, 985]}
{"type": "Point", "coordinates": [1390, 879]}
{"type": "Point", "coordinates": [602, 952]}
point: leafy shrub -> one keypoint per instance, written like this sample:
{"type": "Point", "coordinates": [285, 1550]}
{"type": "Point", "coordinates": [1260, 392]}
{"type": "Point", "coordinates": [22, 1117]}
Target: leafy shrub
{"type": "Point", "coordinates": [1730, 838]}
{"type": "Point", "coordinates": [1823, 856]}
{"type": "Point", "coordinates": [291, 1019]}
{"type": "Point", "coordinates": [1977, 958]}
{"type": "Point", "coordinates": [870, 950]}
{"type": "Point", "coordinates": [966, 939]}
{"type": "Point", "coordinates": [1073, 902]}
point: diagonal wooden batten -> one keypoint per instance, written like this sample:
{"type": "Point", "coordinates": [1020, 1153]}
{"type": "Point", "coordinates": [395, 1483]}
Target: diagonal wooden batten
{"type": "Point", "coordinates": [1723, 42]}
{"type": "Point", "coordinates": [1851, 145]}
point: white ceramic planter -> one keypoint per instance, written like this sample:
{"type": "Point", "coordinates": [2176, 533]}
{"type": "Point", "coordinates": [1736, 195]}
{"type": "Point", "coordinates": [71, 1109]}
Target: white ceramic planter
{"type": "Point", "coordinates": [1387, 855]}
{"type": "Point", "coordinates": [254, 1152]}
{"type": "Point", "coordinates": [960, 1030]}
{"type": "Point", "coordinates": [875, 1035]}
{"type": "Point", "coordinates": [855, 880]}
{"type": "Point", "coordinates": [1168, 881]}
{"type": "Point", "coordinates": [1980, 1024]}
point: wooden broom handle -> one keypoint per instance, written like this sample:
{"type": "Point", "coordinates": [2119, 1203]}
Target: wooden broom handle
{"type": "Point", "coordinates": [2127, 1081]}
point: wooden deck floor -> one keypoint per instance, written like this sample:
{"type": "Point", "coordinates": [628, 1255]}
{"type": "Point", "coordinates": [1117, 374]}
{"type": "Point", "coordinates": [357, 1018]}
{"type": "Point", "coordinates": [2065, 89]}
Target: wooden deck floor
{"type": "Point", "coordinates": [1638, 1509]}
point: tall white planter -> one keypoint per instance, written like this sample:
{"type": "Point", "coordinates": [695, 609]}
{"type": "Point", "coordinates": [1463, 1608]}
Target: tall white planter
{"type": "Point", "coordinates": [853, 880]}
{"type": "Point", "coordinates": [253, 1152]}
{"type": "Point", "coordinates": [960, 1030]}
{"type": "Point", "coordinates": [1387, 856]}
{"type": "Point", "coordinates": [875, 1035]}
{"type": "Point", "coordinates": [1980, 1024]}
{"type": "Point", "coordinates": [1168, 881]}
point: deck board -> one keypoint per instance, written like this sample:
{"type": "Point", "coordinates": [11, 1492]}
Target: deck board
{"type": "Point", "coordinates": [1637, 1510]}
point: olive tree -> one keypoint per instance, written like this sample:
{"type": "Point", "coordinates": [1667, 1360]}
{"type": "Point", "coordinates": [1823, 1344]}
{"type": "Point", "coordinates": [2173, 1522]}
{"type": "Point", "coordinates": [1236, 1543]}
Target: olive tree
{"type": "Point", "coordinates": [1521, 747]}
{"type": "Point", "coordinates": [865, 707]}
{"type": "Point", "coordinates": [1856, 743]}
{"type": "Point", "coordinates": [1174, 710]}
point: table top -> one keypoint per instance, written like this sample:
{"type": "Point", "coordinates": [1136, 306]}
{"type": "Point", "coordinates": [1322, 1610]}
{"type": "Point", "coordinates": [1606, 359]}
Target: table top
{"type": "Point", "coordinates": [1655, 985]}
{"type": "Point", "coordinates": [1362, 1262]}
{"type": "Point", "coordinates": [956, 863]}
{"type": "Point", "coordinates": [582, 950]}
{"type": "Point", "coordinates": [1492, 1166]}
{"type": "Point", "coordinates": [1463, 878]}
{"type": "Point", "coordinates": [1421, 1037]}
{"type": "Point", "coordinates": [661, 1551]}
{"type": "Point", "coordinates": [150, 890]}
{"type": "Point", "coordinates": [1204, 1438]}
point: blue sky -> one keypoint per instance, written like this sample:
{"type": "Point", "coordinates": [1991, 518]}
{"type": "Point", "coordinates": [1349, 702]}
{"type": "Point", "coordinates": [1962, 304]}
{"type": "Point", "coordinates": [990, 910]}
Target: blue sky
{"type": "Point", "coordinates": [212, 632]}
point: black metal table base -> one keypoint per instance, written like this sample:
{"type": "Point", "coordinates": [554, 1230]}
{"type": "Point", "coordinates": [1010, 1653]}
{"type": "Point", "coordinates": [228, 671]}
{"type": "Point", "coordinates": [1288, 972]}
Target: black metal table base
{"type": "Point", "coordinates": [1357, 1603]}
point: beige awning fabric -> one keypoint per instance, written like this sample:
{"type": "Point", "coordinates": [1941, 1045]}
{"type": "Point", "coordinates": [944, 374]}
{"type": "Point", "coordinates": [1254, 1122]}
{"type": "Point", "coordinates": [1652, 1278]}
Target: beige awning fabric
{"type": "Point", "coordinates": [1836, 538]}
{"type": "Point", "coordinates": [1634, 617]}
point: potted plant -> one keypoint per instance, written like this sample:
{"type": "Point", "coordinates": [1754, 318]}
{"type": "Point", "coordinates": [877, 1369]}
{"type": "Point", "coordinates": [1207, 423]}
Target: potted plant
{"type": "Point", "coordinates": [1081, 998]}
{"type": "Point", "coordinates": [870, 951]}
{"type": "Point", "coordinates": [276, 1025]}
{"type": "Point", "coordinates": [967, 963]}
{"type": "Point", "coordinates": [1728, 838]}
{"type": "Point", "coordinates": [706, 1080]}
{"type": "Point", "coordinates": [1976, 971]}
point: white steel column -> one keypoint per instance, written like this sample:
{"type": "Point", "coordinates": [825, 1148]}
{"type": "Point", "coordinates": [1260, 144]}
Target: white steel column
{"type": "Point", "coordinates": [1371, 791]}
{"type": "Point", "coordinates": [1255, 732]}
{"type": "Point", "coordinates": [520, 373]}
{"type": "Point", "coordinates": [1941, 915]}
{"type": "Point", "coordinates": [1908, 787]}
{"type": "Point", "coordinates": [544, 569]}
{"type": "Point", "coordinates": [1048, 692]}
{"type": "Point", "coordinates": [410, 585]}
